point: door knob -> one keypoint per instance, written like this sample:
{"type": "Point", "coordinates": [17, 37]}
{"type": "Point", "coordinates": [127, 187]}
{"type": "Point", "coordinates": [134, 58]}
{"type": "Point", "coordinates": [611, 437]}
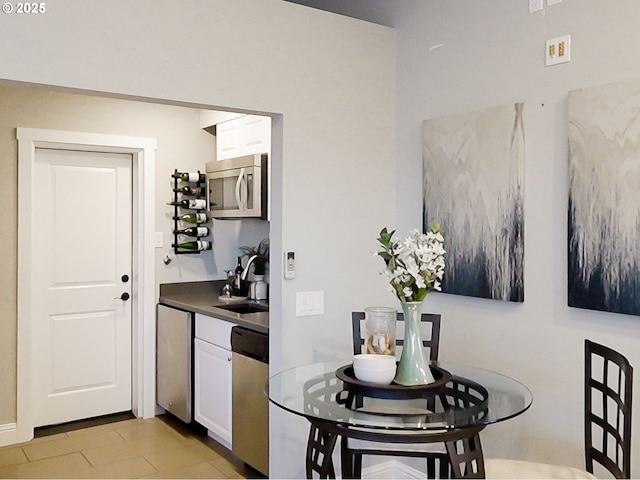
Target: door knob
{"type": "Point", "coordinates": [124, 296]}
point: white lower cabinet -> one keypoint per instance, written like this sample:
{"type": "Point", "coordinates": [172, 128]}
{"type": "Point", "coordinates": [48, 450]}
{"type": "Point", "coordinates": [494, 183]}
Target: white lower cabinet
{"type": "Point", "coordinates": [213, 378]}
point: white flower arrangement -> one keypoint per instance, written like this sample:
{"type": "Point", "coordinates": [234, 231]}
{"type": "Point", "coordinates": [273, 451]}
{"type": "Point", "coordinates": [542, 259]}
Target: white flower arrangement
{"type": "Point", "coordinates": [415, 266]}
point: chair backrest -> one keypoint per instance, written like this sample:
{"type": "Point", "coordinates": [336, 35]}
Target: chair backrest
{"type": "Point", "coordinates": [429, 329]}
{"type": "Point", "coordinates": [608, 380]}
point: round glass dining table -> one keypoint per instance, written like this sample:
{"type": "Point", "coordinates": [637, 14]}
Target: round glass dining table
{"type": "Point", "coordinates": [453, 410]}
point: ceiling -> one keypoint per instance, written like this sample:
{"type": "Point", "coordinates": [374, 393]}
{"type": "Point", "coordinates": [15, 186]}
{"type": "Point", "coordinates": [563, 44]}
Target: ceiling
{"type": "Point", "coordinates": [374, 11]}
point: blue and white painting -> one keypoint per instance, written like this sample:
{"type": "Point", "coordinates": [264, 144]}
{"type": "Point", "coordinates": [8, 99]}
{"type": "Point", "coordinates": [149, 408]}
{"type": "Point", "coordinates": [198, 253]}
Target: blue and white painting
{"type": "Point", "coordinates": [473, 184]}
{"type": "Point", "coordinates": [604, 204]}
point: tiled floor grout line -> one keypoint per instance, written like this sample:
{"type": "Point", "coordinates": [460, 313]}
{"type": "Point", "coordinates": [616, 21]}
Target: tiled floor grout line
{"type": "Point", "coordinates": [85, 457]}
{"type": "Point", "coordinates": [120, 434]}
{"type": "Point", "coordinates": [24, 452]}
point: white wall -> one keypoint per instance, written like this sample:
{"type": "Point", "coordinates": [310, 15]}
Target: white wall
{"type": "Point", "coordinates": [462, 55]}
{"type": "Point", "coordinates": [333, 81]}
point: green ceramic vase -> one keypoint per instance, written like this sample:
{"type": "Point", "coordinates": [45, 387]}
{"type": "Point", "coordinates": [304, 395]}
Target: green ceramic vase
{"type": "Point", "coordinates": [413, 367]}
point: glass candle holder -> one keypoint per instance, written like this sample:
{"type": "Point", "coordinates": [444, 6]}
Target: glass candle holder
{"type": "Point", "coordinates": [380, 330]}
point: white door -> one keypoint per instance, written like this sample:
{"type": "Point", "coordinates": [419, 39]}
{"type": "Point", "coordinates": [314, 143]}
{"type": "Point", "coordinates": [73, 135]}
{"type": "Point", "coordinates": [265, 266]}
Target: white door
{"type": "Point", "coordinates": [81, 258]}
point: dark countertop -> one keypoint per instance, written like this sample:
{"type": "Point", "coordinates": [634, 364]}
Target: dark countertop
{"type": "Point", "coordinates": [203, 297]}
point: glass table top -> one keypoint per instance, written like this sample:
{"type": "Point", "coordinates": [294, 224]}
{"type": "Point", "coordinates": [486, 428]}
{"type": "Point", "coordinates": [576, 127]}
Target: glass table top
{"type": "Point", "coordinates": [468, 397]}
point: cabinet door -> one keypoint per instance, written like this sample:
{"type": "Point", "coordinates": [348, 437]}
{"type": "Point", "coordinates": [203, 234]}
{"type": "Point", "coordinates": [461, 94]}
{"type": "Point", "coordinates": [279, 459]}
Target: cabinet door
{"type": "Point", "coordinates": [213, 390]}
{"type": "Point", "coordinates": [255, 134]}
{"type": "Point", "coordinates": [246, 135]}
{"type": "Point", "coordinates": [228, 139]}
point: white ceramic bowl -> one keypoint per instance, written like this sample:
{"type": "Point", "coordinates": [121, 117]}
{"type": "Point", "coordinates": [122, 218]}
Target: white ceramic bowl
{"type": "Point", "coordinates": [372, 368]}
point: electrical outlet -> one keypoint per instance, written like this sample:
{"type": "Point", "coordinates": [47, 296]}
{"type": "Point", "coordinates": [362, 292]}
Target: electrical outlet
{"type": "Point", "coordinates": [558, 50]}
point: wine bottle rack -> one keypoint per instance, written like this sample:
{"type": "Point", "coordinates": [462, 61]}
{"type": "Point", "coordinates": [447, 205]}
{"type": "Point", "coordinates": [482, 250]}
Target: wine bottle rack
{"type": "Point", "coordinates": [178, 183]}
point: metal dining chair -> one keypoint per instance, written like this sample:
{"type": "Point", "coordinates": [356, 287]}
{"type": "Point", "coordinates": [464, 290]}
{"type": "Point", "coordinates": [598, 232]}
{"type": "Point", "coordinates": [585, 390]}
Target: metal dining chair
{"type": "Point", "coordinates": [430, 331]}
{"type": "Point", "coordinates": [352, 450]}
{"type": "Point", "coordinates": [608, 386]}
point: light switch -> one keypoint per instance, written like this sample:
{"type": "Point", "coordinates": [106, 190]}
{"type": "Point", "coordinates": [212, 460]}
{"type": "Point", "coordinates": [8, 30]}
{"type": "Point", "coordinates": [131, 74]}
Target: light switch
{"type": "Point", "coordinates": [309, 303]}
{"type": "Point", "coordinates": [159, 241]}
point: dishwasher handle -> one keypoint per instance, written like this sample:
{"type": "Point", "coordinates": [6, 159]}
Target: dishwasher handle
{"type": "Point", "coordinates": [250, 343]}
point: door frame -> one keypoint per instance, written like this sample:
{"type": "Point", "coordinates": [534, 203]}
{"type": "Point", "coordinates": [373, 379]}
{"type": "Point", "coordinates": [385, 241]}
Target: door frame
{"type": "Point", "coordinates": [142, 151]}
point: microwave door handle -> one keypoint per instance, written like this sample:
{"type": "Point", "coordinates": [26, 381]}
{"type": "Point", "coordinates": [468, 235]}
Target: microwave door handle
{"type": "Point", "coordinates": [239, 199]}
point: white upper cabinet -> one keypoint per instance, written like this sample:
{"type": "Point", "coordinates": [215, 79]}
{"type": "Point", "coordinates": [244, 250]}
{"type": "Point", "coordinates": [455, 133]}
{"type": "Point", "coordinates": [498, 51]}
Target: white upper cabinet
{"type": "Point", "coordinates": [246, 135]}
{"type": "Point", "coordinates": [228, 139]}
{"type": "Point", "coordinates": [255, 134]}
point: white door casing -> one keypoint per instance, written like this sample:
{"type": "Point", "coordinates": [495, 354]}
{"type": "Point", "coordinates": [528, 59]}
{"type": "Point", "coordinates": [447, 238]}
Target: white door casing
{"type": "Point", "coordinates": [81, 258]}
{"type": "Point", "coordinates": [142, 283]}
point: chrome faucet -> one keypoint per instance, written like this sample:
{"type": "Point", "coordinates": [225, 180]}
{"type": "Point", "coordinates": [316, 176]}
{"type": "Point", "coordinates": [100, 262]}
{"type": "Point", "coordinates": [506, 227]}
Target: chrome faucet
{"type": "Point", "coordinates": [245, 272]}
{"type": "Point", "coordinates": [227, 290]}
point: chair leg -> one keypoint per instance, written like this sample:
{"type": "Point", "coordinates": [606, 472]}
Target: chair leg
{"type": "Point", "coordinates": [438, 466]}
{"type": "Point", "coordinates": [320, 446]}
{"type": "Point", "coordinates": [466, 457]}
{"type": "Point", "coordinates": [351, 461]}
{"type": "Point", "coordinates": [357, 465]}
{"type": "Point", "coordinates": [346, 459]}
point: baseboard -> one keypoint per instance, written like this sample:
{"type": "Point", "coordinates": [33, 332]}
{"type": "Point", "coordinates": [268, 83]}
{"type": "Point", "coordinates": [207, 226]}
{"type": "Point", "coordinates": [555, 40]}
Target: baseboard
{"type": "Point", "coordinates": [8, 434]}
{"type": "Point", "coordinates": [392, 469]}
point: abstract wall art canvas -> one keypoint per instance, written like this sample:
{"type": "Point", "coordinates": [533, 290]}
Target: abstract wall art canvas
{"type": "Point", "coordinates": [604, 204]}
{"type": "Point", "coordinates": [473, 174]}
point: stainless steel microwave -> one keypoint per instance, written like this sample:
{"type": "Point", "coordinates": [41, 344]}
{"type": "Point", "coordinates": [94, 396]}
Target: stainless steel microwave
{"type": "Point", "coordinates": [237, 187]}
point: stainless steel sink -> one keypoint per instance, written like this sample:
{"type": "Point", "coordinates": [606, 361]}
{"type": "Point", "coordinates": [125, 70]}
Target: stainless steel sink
{"type": "Point", "coordinates": [244, 308]}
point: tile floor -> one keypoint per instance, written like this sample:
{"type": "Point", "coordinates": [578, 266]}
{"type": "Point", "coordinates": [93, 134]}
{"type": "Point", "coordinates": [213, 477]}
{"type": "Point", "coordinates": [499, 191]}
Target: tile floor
{"type": "Point", "coordinates": [160, 447]}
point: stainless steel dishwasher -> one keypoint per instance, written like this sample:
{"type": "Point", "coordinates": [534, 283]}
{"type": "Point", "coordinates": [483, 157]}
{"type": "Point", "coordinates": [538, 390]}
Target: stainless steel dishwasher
{"type": "Point", "coordinates": [250, 418]}
{"type": "Point", "coordinates": [174, 340]}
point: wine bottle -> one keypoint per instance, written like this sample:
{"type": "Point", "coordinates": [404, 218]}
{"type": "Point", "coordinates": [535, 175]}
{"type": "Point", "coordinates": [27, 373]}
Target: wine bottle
{"type": "Point", "coordinates": [238, 282]}
{"type": "Point", "coordinates": [192, 218]}
{"type": "Point", "coordinates": [193, 203]}
{"type": "Point", "coordinates": [190, 176]}
{"type": "Point", "coordinates": [187, 190]}
{"type": "Point", "coordinates": [193, 231]}
{"type": "Point", "coordinates": [195, 245]}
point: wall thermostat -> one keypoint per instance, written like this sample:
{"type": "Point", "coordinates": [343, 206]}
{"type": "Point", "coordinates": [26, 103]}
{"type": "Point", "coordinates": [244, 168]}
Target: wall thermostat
{"type": "Point", "coordinates": [289, 265]}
